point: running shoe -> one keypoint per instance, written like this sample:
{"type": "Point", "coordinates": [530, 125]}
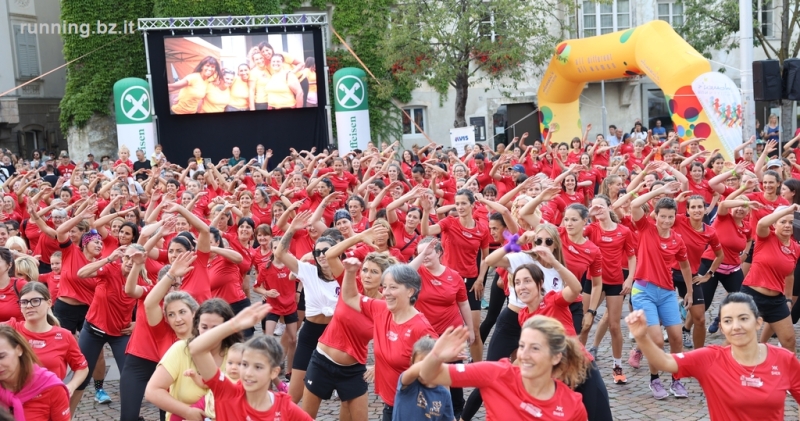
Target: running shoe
{"type": "Point", "coordinates": [714, 326]}
{"type": "Point", "coordinates": [484, 304]}
{"type": "Point", "coordinates": [664, 332]}
{"type": "Point", "coordinates": [683, 311]}
{"type": "Point", "coordinates": [687, 339]}
{"type": "Point", "coordinates": [658, 389]}
{"type": "Point", "coordinates": [678, 390]}
{"type": "Point", "coordinates": [100, 396]}
{"type": "Point", "coordinates": [630, 336]}
{"type": "Point", "coordinates": [593, 351]}
{"type": "Point", "coordinates": [635, 358]}
{"type": "Point", "coordinates": [619, 378]}
{"type": "Point", "coordinates": [279, 329]}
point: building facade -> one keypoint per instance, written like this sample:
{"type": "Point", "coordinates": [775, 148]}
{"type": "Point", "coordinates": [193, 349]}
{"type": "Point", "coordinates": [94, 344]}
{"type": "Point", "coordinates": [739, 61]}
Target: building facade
{"type": "Point", "coordinates": [30, 45]}
{"type": "Point", "coordinates": [500, 118]}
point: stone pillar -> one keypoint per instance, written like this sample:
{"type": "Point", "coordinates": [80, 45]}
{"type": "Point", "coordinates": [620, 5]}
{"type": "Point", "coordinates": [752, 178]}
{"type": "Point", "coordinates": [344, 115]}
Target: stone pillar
{"type": "Point", "coordinates": [98, 137]}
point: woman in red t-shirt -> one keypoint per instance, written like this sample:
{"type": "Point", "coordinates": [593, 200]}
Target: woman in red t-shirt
{"type": "Point", "coordinates": [397, 324]}
{"type": "Point", "coordinates": [532, 387]}
{"type": "Point", "coordinates": [261, 365]}
{"type": "Point", "coordinates": [9, 287]}
{"type": "Point", "coordinates": [109, 320]}
{"type": "Point", "coordinates": [775, 257]}
{"type": "Point", "coordinates": [27, 389]}
{"type": "Point", "coordinates": [55, 346]}
{"type": "Point", "coordinates": [745, 380]}
{"type": "Point", "coordinates": [465, 238]}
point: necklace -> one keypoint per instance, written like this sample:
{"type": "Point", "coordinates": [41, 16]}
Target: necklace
{"type": "Point", "coordinates": [755, 367]}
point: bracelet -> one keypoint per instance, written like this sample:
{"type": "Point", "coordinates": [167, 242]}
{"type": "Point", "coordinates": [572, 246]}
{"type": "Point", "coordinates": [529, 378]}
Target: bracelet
{"type": "Point", "coordinates": [734, 173]}
{"type": "Point", "coordinates": [172, 277]}
{"type": "Point", "coordinates": [108, 260]}
{"type": "Point", "coordinates": [634, 195]}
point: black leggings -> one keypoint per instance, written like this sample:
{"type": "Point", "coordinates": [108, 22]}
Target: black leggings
{"type": "Point", "coordinates": [497, 300]}
{"type": "Point", "coordinates": [92, 343]}
{"type": "Point", "coordinates": [239, 306]}
{"type": "Point", "coordinates": [595, 395]}
{"type": "Point", "coordinates": [505, 340]}
{"type": "Point", "coordinates": [137, 373]}
{"type": "Point", "coordinates": [732, 282]}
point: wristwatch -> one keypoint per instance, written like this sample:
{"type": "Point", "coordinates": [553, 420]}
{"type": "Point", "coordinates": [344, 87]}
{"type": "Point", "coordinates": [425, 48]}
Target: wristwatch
{"type": "Point", "coordinates": [710, 273]}
{"type": "Point", "coordinates": [592, 312]}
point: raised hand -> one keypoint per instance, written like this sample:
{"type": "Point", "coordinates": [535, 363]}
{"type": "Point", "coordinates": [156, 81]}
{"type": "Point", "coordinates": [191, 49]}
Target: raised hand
{"type": "Point", "coordinates": [637, 324]}
{"type": "Point", "coordinates": [450, 344]}
{"type": "Point", "coordinates": [183, 264]}
{"type": "Point", "coordinates": [351, 265]}
{"type": "Point", "coordinates": [250, 316]}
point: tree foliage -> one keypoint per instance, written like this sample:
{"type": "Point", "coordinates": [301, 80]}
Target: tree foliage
{"type": "Point", "coordinates": [454, 43]}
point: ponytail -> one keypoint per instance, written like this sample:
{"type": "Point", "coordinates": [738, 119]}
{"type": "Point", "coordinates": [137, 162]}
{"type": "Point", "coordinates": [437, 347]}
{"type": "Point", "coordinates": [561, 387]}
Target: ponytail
{"type": "Point", "coordinates": [573, 367]}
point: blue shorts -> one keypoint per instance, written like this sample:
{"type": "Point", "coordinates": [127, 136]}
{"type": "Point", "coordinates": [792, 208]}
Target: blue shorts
{"type": "Point", "coordinates": [660, 305]}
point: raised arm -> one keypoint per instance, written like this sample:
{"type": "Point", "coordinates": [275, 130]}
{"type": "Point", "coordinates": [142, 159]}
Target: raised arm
{"type": "Point", "coordinates": [350, 294]}
{"type": "Point", "coordinates": [62, 233]}
{"type": "Point", "coordinates": [636, 204]}
{"type": "Point", "coordinates": [658, 359]}
{"type": "Point", "coordinates": [763, 227]}
{"type": "Point", "coordinates": [204, 237]}
{"type": "Point", "coordinates": [282, 252]}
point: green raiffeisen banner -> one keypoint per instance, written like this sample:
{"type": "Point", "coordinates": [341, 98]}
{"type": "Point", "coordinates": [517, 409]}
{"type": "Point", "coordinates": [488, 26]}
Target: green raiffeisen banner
{"type": "Point", "coordinates": [132, 104]}
{"type": "Point", "coordinates": [352, 111]}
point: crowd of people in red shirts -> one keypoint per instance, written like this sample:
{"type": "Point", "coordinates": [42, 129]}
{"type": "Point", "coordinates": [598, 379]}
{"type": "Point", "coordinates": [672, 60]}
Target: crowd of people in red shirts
{"type": "Point", "coordinates": [163, 263]}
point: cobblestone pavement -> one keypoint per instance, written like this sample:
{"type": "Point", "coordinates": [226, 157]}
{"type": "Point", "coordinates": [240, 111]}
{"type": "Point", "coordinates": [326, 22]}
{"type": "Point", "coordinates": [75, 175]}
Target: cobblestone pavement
{"type": "Point", "coordinates": [632, 401]}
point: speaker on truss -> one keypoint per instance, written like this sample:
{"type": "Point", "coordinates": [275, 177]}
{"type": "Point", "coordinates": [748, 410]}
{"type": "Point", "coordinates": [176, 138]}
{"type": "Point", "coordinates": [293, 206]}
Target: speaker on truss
{"type": "Point", "coordinates": [767, 82]}
{"type": "Point", "coordinates": [791, 79]}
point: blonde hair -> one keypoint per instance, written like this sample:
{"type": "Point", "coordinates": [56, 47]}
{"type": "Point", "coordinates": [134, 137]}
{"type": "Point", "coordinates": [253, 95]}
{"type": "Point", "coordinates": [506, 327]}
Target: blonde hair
{"type": "Point", "coordinates": [27, 267]}
{"type": "Point", "coordinates": [573, 367]}
{"type": "Point", "coordinates": [17, 241]}
{"type": "Point", "coordinates": [391, 241]}
{"type": "Point", "coordinates": [383, 260]}
{"type": "Point", "coordinates": [552, 231]}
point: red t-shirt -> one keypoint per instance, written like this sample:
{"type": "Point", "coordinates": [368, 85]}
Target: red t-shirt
{"type": "Point", "coordinates": [52, 280]}
{"type": "Point", "coordinates": [362, 250]}
{"type": "Point", "coordinates": [695, 241]}
{"type": "Point", "coordinates": [341, 184]}
{"type": "Point", "coordinates": [505, 396]}
{"type": "Point", "coordinates": [149, 342]}
{"type": "Point", "coordinates": [56, 348]}
{"type": "Point", "coordinates": [112, 309]}
{"type": "Point", "coordinates": [552, 305]}
{"type": "Point", "coordinates": [272, 277]}
{"type": "Point", "coordinates": [768, 208]}
{"type": "Point", "coordinates": [772, 263]}
{"type": "Point", "coordinates": [259, 259]}
{"type": "Point", "coordinates": [9, 308]}
{"type": "Point", "coordinates": [462, 245]}
{"type": "Point", "coordinates": [226, 280]}
{"type": "Point", "coordinates": [581, 258]}
{"type": "Point", "coordinates": [702, 188]}
{"type": "Point", "coordinates": [656, 255]}
{"type": "Point", "coordinates": [197, 282]}
{"type": "Point", "coordinates": [406, 243]}
{"type": "Point", "coordinates": [349, 331]}
{"type": "Point", "coordinates": [71, 285]}
{"type": "Point", "coordinates": [50, 405]}
{"type": "Point", "coordinates": [32, 232]}
{"type": "Point", "coordinates": [45, 247]}
{"type": "Point", "coordinates": [393, 345]}
{"type": "Point", "coordinates": [732, 393]}
{"type": "Point", "coordinates": [732, 238]}
{"type": "Point", "coordinates": [66, 170]}
{"type": "Point", "coordinates": [230, 403]}
{"type": "Point", "coordinates": [616, 247]}
{"type": "Point", "coordinates": [439, 297]}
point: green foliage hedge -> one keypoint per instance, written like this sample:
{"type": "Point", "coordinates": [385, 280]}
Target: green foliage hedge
{"type": "Point", "coordinates": [90, 80]}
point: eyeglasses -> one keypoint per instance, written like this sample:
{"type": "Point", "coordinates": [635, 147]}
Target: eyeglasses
{"type": "Point", "coordinates": [548, 241]}
{"type": "Point", "coordinates": [320, 252]}
{"type": "Point", "coordinates": [34, 302]}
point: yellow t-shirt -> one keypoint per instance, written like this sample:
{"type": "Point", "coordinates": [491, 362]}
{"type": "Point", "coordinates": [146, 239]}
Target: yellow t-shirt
{"type": "Point", "coordinates": [176, 361]}
{"type": "Point", "coordinates": [240, 94]}
{"type": "Point", "coordinates": [189, 96]}
{"type": "Point", "coordinates": [287, 60]}
{"type": "Point", "coordinates": [279, 93]}
{"type": "Point", "coordinates": [312, 80]}
{"type": "Point", "coordinates": [261, 78]}
{"type": "Point", "coordinates": [215, 99]}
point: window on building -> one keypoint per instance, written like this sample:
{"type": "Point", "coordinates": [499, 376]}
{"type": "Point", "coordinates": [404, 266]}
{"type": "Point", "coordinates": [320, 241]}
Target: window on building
{"type": "Point", "coordinates": [27, 52]}
{"type": "Point", "coordinates": [418, 114]}
{"type": "Point", "coordinates": [765, 15]}
{"type": "Point", "coordinates": [599, 19]}
{"type": "Point", "coordinates": [671, 12]}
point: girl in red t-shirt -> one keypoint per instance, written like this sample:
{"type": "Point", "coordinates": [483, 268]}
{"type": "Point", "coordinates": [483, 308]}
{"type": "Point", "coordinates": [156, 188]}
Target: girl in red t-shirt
{"type": "Point", "coordinates": [761, 372]}
{"type": "Point", "coordinates": [531, 387]}
{"type": "Point", "coordinates": [27, 389]}
{"type": "Point", "coordinates": [261, 364]}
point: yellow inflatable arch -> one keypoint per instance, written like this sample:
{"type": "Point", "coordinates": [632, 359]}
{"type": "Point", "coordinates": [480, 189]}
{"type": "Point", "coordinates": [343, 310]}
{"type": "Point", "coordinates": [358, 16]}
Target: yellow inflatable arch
{"type": "Point", "coordinates": [653, 49]}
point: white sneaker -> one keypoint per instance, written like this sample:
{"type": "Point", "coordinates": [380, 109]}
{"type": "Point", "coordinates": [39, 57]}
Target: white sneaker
{"type": "Point", "coordinates": [664, 332]}
{"type": "Point", "coordinates": [279, 329]}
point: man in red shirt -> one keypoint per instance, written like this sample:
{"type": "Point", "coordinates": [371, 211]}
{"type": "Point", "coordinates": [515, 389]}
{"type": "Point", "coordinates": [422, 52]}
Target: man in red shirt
{"type": "Point", "coordinates": [65, 166]}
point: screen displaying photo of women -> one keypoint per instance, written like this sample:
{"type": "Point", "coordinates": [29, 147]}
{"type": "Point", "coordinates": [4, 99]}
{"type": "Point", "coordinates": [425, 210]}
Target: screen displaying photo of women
{"type": "Point", "coordinates": [226, 73]}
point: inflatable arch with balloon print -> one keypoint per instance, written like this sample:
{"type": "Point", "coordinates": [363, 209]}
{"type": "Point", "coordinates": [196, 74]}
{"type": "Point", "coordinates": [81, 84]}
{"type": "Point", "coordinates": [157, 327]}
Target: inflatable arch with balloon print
{"type": "Point", "coordinates": [702, 103]}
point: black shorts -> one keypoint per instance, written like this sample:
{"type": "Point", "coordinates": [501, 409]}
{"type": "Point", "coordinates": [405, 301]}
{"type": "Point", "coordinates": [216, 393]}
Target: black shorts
{"type": "Point", "coordinates": [697, 291]}
{"type": "Point", "coordinates": [71, 317]}
{"type": "Point", "coordinates": [609, 290]}
{"type": "Point", "coordinates": [307, 340]}
{"type": "Point", "coordinates": [752, 252]}
{"type": "Point", "coordinates": [474, 303]}
{"type": "Point", "coordinates": [287, 318]}
{"type": "Point", "coordinates": [771, 309]}
{"type": "Point", "coordinates": [323, 376]}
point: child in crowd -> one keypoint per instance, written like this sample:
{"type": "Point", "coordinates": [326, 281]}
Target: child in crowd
{"type": "Point", "coordinates": [231, 371]}
{"type": "Point", "coordinates": [416, 400]}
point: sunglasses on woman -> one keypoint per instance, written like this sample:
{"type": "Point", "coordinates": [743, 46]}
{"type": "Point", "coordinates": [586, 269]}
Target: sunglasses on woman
{"type": "Point", "coordinates": [547, 241]}
{"type": "Point", "coordinates": [320, 252]}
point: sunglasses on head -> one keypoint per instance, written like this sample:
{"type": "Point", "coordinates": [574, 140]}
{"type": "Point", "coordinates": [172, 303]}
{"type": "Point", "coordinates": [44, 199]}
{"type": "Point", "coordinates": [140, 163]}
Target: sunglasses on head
{"type": "Point", "coordinates": [547, 241]}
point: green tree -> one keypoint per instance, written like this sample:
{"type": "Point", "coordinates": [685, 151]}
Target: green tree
{"type": "Point", "coordinates": [455, 43]}
{"type": "Point", "coordinates": [714, 25]}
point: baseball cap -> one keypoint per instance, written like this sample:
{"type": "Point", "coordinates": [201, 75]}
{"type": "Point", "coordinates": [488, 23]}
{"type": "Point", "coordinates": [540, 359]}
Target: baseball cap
{"type": "Point", "coordinates": [774, 163]}
{"type": "Point", "coordinates": [518, 168]}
